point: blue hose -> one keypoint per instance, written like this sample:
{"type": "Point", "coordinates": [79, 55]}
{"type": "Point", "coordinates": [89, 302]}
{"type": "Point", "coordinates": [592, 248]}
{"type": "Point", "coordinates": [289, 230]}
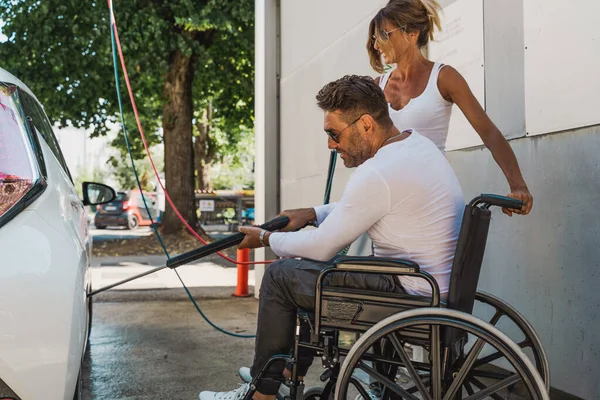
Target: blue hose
{"type": "Point", "coordinates": [137, 179]}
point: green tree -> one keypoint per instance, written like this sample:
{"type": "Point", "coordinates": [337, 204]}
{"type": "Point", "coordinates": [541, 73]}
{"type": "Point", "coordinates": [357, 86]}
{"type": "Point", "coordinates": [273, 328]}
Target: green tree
{"type": "Point", "coordinates": [235, 169]}
{"type": "Point", "coordinates": [86, 174]}
{"type": "Point", "coordinates": [190, 63]}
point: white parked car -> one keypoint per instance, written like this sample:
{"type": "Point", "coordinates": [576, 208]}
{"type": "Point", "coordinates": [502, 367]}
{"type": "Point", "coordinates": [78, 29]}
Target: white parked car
{"type": "Point", "coordinates": [45, 250]}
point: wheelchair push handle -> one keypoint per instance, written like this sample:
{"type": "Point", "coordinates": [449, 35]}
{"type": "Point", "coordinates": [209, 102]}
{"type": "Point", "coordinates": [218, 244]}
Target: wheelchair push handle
{"type": "Point", "coordinates": [489, 200]}
{"type": "Point", "coordinates": [211, 248]}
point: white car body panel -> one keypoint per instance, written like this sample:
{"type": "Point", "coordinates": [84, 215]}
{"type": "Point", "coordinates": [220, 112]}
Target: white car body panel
{"type": "Point", "coordinates": [43, 280]}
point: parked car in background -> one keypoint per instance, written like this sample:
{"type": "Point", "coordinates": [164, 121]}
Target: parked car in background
{"type": "Point", "coordinates": [46, 248]}
{"type": "Point", "coordinates": [127, 210]}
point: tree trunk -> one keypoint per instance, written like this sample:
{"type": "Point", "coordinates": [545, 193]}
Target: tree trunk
{"type": "Point", "coordinates": [177, 130]}
{"type": "Point", "coordinates": [204, 151]}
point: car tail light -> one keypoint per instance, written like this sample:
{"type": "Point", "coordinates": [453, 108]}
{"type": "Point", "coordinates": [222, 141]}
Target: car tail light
{"type": "Point", "coordinates": [19, 173]}
{"type": "Point", "coordinates": [125, 205]}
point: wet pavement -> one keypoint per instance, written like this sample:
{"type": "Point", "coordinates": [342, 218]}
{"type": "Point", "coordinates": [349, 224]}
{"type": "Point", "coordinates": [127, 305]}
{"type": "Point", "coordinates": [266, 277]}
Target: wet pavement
{"type": "Point", "coordinates": [149, 342]}
{"type": "Point", "coordinates": [145, 347]}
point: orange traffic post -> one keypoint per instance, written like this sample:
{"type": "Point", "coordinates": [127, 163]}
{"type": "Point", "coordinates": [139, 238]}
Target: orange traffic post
{"type": "Point", "coordinates": [241, 289]}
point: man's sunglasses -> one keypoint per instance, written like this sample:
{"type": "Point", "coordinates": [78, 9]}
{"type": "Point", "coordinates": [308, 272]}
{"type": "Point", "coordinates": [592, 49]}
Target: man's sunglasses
{"type": "Point", "coordinates": [336, 136]}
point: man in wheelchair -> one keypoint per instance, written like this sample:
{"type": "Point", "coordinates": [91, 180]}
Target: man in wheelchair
{"type": "Point", "coordinates": [403, 193]}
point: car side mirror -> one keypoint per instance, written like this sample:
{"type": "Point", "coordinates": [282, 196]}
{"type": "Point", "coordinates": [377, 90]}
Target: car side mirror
{"type": "Point", "coordinates": [97, 193]}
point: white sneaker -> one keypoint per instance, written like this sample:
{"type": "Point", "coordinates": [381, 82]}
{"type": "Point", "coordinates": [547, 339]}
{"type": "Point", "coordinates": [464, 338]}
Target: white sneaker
{"type": "Point", "coordinates": [244, 373]}
{"type": "Point", "coordinates": [236, 394]}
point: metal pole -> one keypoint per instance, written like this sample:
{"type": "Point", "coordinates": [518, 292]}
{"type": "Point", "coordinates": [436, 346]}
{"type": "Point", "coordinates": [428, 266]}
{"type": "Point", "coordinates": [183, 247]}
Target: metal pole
{"type": "Point", "coordinates": [126, 280]}
{"type": "Point", "coordinates": [196, 254]}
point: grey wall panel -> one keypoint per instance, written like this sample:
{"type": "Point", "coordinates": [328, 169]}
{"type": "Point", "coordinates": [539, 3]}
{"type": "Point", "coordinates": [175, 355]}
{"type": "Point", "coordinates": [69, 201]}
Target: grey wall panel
{"type": "Point", "coordinates": [505, 65]}
{"type": "Point", "coordinates": [547, 264]}
{"type": "Point", "coordinates": [553, 86]}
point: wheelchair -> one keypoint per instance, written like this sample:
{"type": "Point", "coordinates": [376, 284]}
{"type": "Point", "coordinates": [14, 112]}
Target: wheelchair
{"type": "Point", "coordinates": [466, 357]}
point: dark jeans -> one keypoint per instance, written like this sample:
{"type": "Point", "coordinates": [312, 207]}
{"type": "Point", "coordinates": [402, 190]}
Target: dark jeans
{"type": "Point", "coordinates": [288, 285]}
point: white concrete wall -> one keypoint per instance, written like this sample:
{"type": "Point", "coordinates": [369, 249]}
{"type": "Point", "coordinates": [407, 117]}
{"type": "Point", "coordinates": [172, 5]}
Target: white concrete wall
{"type": "Point", "coordinates": [315, 49]}
{"type": "Point", "coordinates": [545, 264]}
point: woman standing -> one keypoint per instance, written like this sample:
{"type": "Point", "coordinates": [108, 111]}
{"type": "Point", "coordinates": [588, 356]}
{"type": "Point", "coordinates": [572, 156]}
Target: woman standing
{"type": "Point", "coordinates": [420, 93]}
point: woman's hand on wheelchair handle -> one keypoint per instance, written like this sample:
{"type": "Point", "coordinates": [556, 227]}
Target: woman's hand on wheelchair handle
{"type": "Point", "coordinates": [523, 195]}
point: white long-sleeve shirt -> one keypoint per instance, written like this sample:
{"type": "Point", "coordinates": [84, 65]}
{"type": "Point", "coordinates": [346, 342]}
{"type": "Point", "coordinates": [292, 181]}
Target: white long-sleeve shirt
{"type": "Point", "coordinates": [406, 197]}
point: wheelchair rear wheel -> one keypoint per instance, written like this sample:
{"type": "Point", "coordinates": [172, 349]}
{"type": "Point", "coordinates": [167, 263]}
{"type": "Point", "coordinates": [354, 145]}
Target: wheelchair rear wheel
{"type": "Point", "coordinates": [524, 335]}
{"type": "Point", "coordinates": [459, 379]}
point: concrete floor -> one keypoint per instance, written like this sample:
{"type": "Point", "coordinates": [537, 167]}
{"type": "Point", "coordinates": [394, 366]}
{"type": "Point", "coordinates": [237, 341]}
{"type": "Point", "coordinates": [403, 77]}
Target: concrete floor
{"type": "Point", "coordinates": [163, 349]}
{"type": "Point", "coordinates": [153, 344]}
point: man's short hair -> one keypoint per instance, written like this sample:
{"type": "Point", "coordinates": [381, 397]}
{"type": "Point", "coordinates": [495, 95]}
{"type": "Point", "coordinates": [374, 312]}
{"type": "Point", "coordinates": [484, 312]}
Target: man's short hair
{"type": "Point", "coordinates": [354, 95]}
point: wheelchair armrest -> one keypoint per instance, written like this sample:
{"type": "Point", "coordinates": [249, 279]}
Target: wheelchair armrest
{"type": "Point", "coordinates": [383, 265]}
{"type": "Point", "coordinates": [372, 265]}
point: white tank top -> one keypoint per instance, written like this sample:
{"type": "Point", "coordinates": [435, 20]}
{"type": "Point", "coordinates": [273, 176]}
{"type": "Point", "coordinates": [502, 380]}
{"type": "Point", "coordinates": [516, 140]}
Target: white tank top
{"type": "Point", "coordinates": [428, 114]}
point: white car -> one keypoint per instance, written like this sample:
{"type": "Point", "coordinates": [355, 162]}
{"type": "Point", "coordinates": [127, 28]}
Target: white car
{"type": "Point", "coordinates": [45, 250]}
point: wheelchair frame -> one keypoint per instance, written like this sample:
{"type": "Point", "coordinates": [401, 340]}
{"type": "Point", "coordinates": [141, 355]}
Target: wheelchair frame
{"type": "Point", "coordinates": [417, 320]}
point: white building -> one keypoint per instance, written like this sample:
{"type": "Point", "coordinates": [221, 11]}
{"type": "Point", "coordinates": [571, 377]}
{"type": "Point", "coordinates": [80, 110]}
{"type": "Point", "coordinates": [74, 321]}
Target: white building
{"type": "Point", "coordinates": [534, 66]}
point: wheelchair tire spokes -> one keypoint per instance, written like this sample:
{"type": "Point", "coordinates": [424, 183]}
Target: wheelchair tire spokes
{"type": "Point", "coordinates": [482, 387]}
{"type": "Point", "coordinates": [385, 381]}
{"type": "Point", "coordinates": [436, 362]}
{"type": "Point", "coordinates": [359, 386]}
{"type": "Point", "coordinates": [414, 389]}
{"type": "Point", "coordinates": [461, 378]}
{"type": "Point", "coordinates": [464, 369]}
{"type": "Point", "coordinates": [531, 340]}
{"type": "Point", "coordinates": [490, 375]}
{"type": "Point", "coordinates": [496, 355]}
{"type": "Point", "coordinates": [414, 375]}
{"type": "Point", "coordinates": [493, 389]}
{"type": "Point", "coordinates": [468, 388]}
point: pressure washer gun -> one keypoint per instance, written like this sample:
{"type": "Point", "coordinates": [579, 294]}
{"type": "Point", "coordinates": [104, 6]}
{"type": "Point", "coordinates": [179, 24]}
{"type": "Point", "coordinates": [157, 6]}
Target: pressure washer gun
{"type": "Point", "coordinates": [196, 254]}
{"type": "Point", "coordinates": [236, 238]}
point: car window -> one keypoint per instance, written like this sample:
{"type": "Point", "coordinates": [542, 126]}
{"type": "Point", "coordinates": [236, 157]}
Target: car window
{"type": "Point", "coordinates": [42, 124]}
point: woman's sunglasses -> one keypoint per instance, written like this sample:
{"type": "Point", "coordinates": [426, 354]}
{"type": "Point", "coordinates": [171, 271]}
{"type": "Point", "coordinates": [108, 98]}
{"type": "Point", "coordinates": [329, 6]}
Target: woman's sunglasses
{"type": "Point", "coordinates": [384, 35]}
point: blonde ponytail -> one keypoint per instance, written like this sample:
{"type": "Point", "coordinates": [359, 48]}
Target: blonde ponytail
{"type": "Point", "coordinates": [432, 7]}
{"type": "Point", "coordinates": [420, 16]}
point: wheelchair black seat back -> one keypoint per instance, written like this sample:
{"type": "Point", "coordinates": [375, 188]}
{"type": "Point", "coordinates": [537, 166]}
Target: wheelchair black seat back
{"type": "Point", "coordinates": [468, 257]}
{"type": "Point", "coordinates": [390, 324]}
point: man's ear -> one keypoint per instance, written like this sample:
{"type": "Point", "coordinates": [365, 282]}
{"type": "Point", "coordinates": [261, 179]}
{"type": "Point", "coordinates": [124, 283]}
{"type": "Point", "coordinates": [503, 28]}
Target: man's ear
{"type": "Point", "coordinates": [368, 123]}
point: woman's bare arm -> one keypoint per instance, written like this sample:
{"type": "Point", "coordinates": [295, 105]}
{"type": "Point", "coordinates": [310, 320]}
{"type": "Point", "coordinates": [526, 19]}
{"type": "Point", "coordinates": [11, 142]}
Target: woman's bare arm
{"type": "Point", "coordinates": [454, 88]}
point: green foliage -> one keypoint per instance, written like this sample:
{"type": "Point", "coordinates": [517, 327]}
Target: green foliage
{"type": "Point", "coordinates": [123, 172]}
{"type": "Point", "coordinates": [62, 50]}
{"type": "Point", "coordinates": [86, 174]}
{"type": "Point", "coordinates": [235, 170]}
